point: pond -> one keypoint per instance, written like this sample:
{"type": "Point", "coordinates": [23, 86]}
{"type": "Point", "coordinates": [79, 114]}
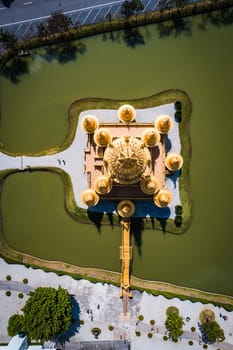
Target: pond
{"type": "Point", "coordinates": [197, 59]}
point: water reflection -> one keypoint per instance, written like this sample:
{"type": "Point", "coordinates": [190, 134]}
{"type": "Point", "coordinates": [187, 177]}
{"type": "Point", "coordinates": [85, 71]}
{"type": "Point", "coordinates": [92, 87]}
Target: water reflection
{"type": "Point", "coordinates": [15, 69]}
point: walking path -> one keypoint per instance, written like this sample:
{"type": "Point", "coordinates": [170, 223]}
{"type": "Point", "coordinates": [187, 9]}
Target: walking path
{"type": "Point", "coordinates": [100, 306]}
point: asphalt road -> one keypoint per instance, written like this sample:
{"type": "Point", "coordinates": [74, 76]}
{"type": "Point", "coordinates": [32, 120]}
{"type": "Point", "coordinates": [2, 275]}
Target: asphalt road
{"type": "Point", "coordinates": [23, 16]}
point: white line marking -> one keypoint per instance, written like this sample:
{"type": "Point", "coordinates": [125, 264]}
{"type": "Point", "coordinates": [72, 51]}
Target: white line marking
{"type": "Point", "coordinates": [26, 29]}
{"type": "Point", "coordinates": [96, 15]}
{"type": "Point", "coordinates": [2, 8]}
{"type": "Point", "coordinates": [147, 5]}
{"type": "Point", "coordinates": [86, 17]}
{"type": "Point", "coordinates": [154, 7]}
{"type": "Point", "coordinates": [66, 13]}
{"type": "Point", "coordinates": [18, 28]}
{"type": "Point", "coordinates": [27, 3]}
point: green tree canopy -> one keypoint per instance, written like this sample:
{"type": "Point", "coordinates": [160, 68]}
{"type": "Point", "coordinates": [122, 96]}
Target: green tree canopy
{"type": "Point", "coordinates": [130, 8]}
{"type": "Point", "coordinates": [174, 324]}
{"type": "Point", "coordinates": [47, 313]}
{"type": "Point", "coordinates": [57, 23]}
{"type": "Point", "coordinates": [7, 39]}
{"type": "Point", "coordinates": [15, 325]}
{"type": "Point", "coordinates": [213, 332]}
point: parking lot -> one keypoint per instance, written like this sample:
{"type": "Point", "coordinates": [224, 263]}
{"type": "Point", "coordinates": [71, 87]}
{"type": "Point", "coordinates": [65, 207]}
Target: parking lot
{"type": "Point", "coordinates": [80, 16]}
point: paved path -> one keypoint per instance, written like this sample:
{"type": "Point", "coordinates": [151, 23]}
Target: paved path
{"type": "Point", "coordinates": [23, 16]}
{"type": "Point", "coordinates": [89, 295]}
{"type": "Point", "coordinates": [16, 286]}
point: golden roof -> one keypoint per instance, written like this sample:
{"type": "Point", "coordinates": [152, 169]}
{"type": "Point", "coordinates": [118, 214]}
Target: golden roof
{"type": "Point", "coordinates": [150, 185]}
{"type": "Point", "coordinates": [164, 124]}
{"type": "Point", "coordinates": [102, 184]}
{"type": "Point", "coordinates": [127, 160]}
{"type": "Point", "coordinates": [125, 208]}
{"type": "Point", "coordinates": [126, 113]}
{"type": "Point", "coordinates": [102, 137]}
{"type": "Point", "coordinates": [89, 197]}
{"type": "Point", "coordinates": [163, 198]}
{"type": "Point", "coordinates": [89, 124]}
{"type": "Point", "coordinates": [150, 137]}
{"type": "Point", "coordinates": [174, 161]}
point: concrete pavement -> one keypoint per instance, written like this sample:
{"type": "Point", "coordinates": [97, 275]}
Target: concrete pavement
{"type": "Point", "coordinates": [23, 16]}
{"type": "Point", "coordinates": [99, 305]}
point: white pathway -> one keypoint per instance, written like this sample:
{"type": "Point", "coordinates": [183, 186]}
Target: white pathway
{"type": "Point", "coordinates": [71, 159]}
{"type": "Point", "coordinates": [89, 296]}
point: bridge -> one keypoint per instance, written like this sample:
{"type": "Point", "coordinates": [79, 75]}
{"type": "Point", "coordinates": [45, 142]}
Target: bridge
{"type": "Point", "coordinates": [125, 257]}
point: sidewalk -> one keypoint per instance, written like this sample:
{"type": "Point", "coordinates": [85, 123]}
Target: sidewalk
{"type": "Point", "coordinates": [100, 306]}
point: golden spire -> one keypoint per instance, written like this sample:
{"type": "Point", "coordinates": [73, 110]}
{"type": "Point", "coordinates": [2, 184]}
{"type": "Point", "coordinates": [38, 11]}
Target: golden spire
{"type": "Point", "coordinates": [103, 184]}
{"type": "Point", "coordinates": [163, 198]}
{"type": "Point", "coordinates": [164, 124]}
{"type": "Point", "coordinates": [150, 185]}
{"type": "Point", "coordinates": [89, 124]}
{"type": "Point", "coordinates": [126, 113]}
{"type": "Point", "coordinates": [174, 161]}
{"type": "Point", "coordinates": [127, 160]}
{"type": "Point", "coordinates": [125, 208]}
{"type": "Point", "coordinates": [89, 197]}
{"type": "Point", "coordinates": [102, 137]}
{"type": "Point", "coordinates": [150, 137]}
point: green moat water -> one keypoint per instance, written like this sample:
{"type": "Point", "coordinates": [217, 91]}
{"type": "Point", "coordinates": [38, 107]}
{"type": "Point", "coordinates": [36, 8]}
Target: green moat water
{"type": "Point", "coordinates": [34, 117]}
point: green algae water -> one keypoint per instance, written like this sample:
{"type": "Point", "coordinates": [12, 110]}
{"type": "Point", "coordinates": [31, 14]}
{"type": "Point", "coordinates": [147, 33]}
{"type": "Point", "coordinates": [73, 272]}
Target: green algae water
{"type": "Point", "coordinates": [34, 117]}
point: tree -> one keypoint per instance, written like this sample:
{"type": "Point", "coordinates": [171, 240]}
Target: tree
{"type": "Point", "coordinates": [7, 39]}
{"type": "Point", "coordinates": [47, 313]}
{"type": "Point", "coordinates": [213, 332]}
{"type": "Point", "coordinates": [130, 8]}
{"type": "Point", "coordinates": [58, 22]}
{"type": "Point", "coordinates": [15, 325]}
{"type": "Point", "coordinates": [174, 324]}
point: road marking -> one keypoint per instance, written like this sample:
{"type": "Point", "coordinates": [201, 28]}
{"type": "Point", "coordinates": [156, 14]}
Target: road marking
{"type": "Point", "coordinates": [18, 28]}
{"type": "Point", "coordinates": [29, 25]}
{"type": "Point", "coordinates": [2, 8]}
{"type": "Point", "coordinates": [65, 13]}
{"type": "Point", "coordinates": [96, 15]}
{"type": "Point", "coordinates": [86, 17]}
{"type": "Point", "coordinates": [147, 5]}
{"type": "Point", "coordinates": [27, 3]}
{"type": "Point", "coordinates": [157, 3]}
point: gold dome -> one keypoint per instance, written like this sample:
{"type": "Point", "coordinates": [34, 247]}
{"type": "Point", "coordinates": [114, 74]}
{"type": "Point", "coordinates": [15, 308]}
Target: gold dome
{"type": "Point", "coordinates": [164, 124]}
{"type": "Point", "coordinates": [102, 184]}
{"type": "Point", "coordinates": [174, 161]}
{"type": "Point", "coordinates": [150, 185]}
{"type": "Point", "coordinates": [125, 208]}
{"type": "Point", "coordinates": [102, 137]}
{"type": "Point", "coordinates": [127, 160]}
{"type": "Point", "coordinates": [150, 137]}
{"type": "Point", "coordinates": [89, 197]}
{"type": "Point", "coordinates": [126, 113]}
{"type": "Point", "coordinates": [163, 198]}
{"type": "Point", "coordinates": [89, 124]}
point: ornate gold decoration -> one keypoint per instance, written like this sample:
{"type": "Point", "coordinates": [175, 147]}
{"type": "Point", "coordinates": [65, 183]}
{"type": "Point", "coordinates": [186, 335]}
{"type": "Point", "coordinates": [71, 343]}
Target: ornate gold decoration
{"type": "Point", "coordinates": [89, 124]}
{"type": "Point", "coordinates": [89, 197]}
{"type": "Point", "coordinates": [164, 124]}
{"type": "Point", "coordinates": [103, 184]}
{"type": "Point", "coordinates": [102, 137]}
{"type": "Point", "coordinates": [174, 161]}
{"type": "Point", "coordinates": [163, 198]}
{"type": "Point", "coordinates": [150, 137]}
{"type": "Point", "coordinates": [126, 113]}
{"type": "Point", "coordinates": [125, 208]}
{"type": "Point", "coordinates": [150, 185]}
{"type": "Point", "coordinates": [127, 160]}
